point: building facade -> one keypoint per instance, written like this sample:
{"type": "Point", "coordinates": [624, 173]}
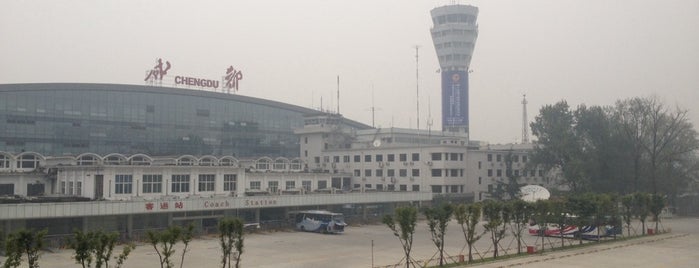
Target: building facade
{"type": "Point", "coordinates": [71, 119]}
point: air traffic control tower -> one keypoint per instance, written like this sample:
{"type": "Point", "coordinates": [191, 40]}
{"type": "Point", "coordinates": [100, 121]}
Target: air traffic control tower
{"type": "Point", "coordinates": [454, 36]}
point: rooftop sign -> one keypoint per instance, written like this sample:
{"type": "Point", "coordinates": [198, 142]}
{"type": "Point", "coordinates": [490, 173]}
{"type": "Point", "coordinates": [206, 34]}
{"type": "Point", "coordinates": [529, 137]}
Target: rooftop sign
{"type": "Point", "coordinates": [229, 82]}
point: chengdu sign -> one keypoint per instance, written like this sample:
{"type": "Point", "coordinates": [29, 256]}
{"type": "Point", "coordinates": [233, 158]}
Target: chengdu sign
{"type": "Point", "coordinates": [230, 81]}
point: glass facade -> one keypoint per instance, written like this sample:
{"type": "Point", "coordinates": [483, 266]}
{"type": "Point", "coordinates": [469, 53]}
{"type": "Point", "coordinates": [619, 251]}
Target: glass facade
{"type": "Point", "coordinates": [69, 119]}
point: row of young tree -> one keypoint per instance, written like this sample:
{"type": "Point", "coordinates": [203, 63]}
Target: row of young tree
{"type": "Point", "coordinates": [638, 144]}
{"type": "Point", "coordinates": [500, 218]}
{"type": "Point", "coordinates": [95, 248]}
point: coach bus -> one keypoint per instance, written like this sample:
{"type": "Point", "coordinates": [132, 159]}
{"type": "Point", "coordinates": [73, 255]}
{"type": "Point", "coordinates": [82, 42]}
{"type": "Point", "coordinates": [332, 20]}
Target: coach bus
{"type": "Point", "coordinates": [320, 221]}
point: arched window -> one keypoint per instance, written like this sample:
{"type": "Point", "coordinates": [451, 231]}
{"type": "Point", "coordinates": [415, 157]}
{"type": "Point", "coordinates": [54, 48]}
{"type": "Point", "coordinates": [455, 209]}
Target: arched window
{"type": "Point", "coordinates": [280, 164]}
{"type": "Point", "coordinates": [296, 165]}
{"type": "Point", "coordinates": [4, 161]}
{"type": "Point", "coordinates": [263, 164]}
{"type": "Point", "coordinates": [88, 160]}
{"type": "Point", "coordinates": [228, 162]}
{"type": "Point", "coordinates": [140, 160]}
{"type": "Point", "coordinates": [186, 161]}
{"type": "Point", "coordinates": [28, 161]}
{"type": "Point", "coordinates": [207, 161]}
{"type": "Point", "coordinates": [115, 159]}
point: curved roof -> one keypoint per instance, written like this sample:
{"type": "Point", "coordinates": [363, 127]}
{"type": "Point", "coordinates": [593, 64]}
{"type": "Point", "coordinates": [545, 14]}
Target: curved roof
{"type": "Point", "coordinates": [163, 90]}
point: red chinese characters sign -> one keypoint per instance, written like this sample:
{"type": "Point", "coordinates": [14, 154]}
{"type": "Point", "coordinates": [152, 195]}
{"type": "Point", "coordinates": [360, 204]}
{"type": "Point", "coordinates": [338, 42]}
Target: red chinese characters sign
{"type": "Point", "coordinates": [150, 206]}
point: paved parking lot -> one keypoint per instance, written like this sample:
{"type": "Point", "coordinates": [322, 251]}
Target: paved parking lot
{"type": "Point", "coordinates": [354, 249]}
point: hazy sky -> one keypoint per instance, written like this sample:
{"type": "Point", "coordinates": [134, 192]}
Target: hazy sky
{"type": "Point", "coordinates": [591, 52]}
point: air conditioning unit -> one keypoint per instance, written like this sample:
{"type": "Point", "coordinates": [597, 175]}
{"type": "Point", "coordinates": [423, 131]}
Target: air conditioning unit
{"type": "Point", "coordinates": [383, 179]}
{"type": "Point", "coordinates": [393, 179]}
{"type": "Point", "coordinates": [429, 163]}
{"type": "Point", "coordinates": [388, 164]}
{"type": "Point", "coordinates": [380, 164]}
{"type": "Point", "coordinates": [405, 163]}
{"type": "Point", "coordinates": [412, 163]}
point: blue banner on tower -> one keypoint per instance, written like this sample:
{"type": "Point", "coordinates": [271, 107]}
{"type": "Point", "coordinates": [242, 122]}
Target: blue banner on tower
{"type": "Point", "coordinates": [454, 99]}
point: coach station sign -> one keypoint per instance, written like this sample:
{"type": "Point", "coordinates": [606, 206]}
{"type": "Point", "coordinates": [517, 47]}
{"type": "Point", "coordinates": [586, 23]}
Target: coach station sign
{"type": "Point", "coordinates": [230, 81]}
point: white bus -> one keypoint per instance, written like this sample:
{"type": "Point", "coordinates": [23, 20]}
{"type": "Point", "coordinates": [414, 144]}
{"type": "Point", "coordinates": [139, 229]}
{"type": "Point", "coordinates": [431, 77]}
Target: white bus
{"type": "Point", "coordinates": [320, 221]}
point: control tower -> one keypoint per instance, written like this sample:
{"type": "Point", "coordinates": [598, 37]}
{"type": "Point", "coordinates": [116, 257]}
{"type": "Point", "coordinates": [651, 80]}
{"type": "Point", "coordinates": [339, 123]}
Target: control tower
{"type": "Point", "coordinates": [454, 35]}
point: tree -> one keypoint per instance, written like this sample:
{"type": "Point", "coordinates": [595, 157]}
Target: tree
{"type": "Point", "coordinates": [164, 242]}
{"type": "Point", "coordinates": [583, 206]}
{"type": "Point", "coordinates": [604, 212]}
{"type": "Point", "coordinates": [521, 215]}
{"type": "Point", "coordinates": [186, 237]}
{"type": "Point", "coordinates": [642, 205]}
{"type": "Point", "coordinates": [494, 212]}
{"type": "Point", "coordinates": [559, 215]}
{"type": "Point", "coordinates": [541, 214]}
{"type": "Point", "coordinates": [656, 205]}
{"type": "Point", "coordinates": [468, 217]}
{"type": "Point", "coordinates": [557, 146]}
{"type": "Point", "coordinates": [24, 242]}
{"type": "Point", "coordinates": [627, 202]}
{"type": "Point", "coordinates": [437, 220]}
{"type": "Point", "coordinates": [406, 218]}
{"type": "Point", "coordinates": [97, 246]}
{"type": "Point", "coordinates": [231, 238]}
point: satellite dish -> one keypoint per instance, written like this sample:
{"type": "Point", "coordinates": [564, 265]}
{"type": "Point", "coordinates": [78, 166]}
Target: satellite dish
{"type": "Point", "coordinates": [532, 193]}
{"type": "Point", "coordinates": [377, 143]}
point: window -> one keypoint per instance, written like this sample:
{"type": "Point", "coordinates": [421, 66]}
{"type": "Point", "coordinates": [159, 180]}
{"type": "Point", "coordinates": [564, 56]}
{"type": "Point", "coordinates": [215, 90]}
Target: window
{"type": "Point", "coordinates": [180, 183]}
{"type": "Point", "coordinates": [152, 183]}
{"type": "Point", "coordinates": [272, 186]}
{"type": "Point", "coordinates": [499, 158]}
{"type": "Point", "coordinates": [541, 172]}
{"type": "Point", "coordinates": [336, 159]}
{"type": "Point", "coordinates": [524, 158]}
{"type": "Point", "coordinates": [79, 188]}
{"type": "Point", "coordinates": [403, 188]}
{"type": "Point", "coordinates": [416, 157]}
{"type": "Point", "coordinates": [207, 182]}
{"type": "Point", "coordinates": [479, 181]}
{"type": "Point", "coordinates": [5, 162]}
{"type": "Point", "coordinates": [9, 188]}
{"type": "Point", "coordinates": [403, 157]}
{"type": "Point", "coordinates": [416, 172]}
{"type": "Point", "coordinates": [515, 158]}
{"type": "Point", "coordinates": [230, 182]}
{"type": "Point", "coordinates": [379, 158]}
{"type": "Point", "coordinates": [63, 187]}
{"type": "Point", "coordinates": [532, 173]}
{"type": "Point", "coordinates": [322, 184]}
{"type": "Point", "coordinates": [516, 172]}
{"type": "Point", "coordinates": [499, 173]}
{"type": "Point", "coordinates": [379, 172]}
{"type": "Point", "coordinates": [379, 187]}
{"type": "Point", "coordinates": [403, 172]}
{"type": "Point", "coordinates": [416, 187]}
{"type": "Point", "coordinates": [316, 159]}
{"type": "Point", "coordinates": [255, 185]}
{"type": "Point", "coordinates": [490, 172]}
{"type": "Point", "coordinates": [306, 185]}
{"type": "Point", "coordinates": [454, 157]}
{"type": "Point", "coordinates": [436, 173]}
{"type": "Point", "coordinates": [326, 159]}
{"type": "Point", "coordinates": [346, 159]}
{"type": "Point", "coordinates": [391, 187]}
{"type": "Point", "coordinates": [436, 156]}
{"type": "Point", "coordinates": [479, 164]}
{"type": "Point", "coordinates": [357, 173]}
{"type": "Point", "coordinates": [122, 184]}
{"type": "Point", "coordinates": [305, 140]}
{"type": "Point", "coordinates": [290, 185]}
{"type": "Point", "coordinates": [368, 185]}
{"type": "Point", "coordinates": [391, 157]}
{"type": "Point", "coordinates": [391, 173]}
{"type": "Point", "coordinates": [437, 189]}
{"type": "Point", "coordinates": [357, 159]}
{"type": "Point", "coordinates": [367, 158]}
{"type": "Point", "coordinates": [490, 158]}
{"type": "Point", "coordinates": [203, 112]}
{"type": "Point", "coordinates": [367, 173]}
{"type": "Point", "coordinates": [27, 161]}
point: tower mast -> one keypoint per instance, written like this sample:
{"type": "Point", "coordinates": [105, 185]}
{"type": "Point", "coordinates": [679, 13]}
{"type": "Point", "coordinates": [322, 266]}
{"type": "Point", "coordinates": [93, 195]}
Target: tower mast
{"type": "Point", "coordinates": [525, 129]}
{"type": "Point", "coordinates": [417, 86]}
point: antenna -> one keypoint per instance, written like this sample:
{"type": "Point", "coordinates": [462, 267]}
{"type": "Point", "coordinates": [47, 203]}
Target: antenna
{"type": "Point", "coordinates": [429, 115]}
{"type": "Point", "coordinates": [338, 94]}
{"type": "Point", "coordinates": [417, 86]}
{"type": "Point", "coordinates": [373, 108]}
{"type": "Point", "coordinates": [525, 129]}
